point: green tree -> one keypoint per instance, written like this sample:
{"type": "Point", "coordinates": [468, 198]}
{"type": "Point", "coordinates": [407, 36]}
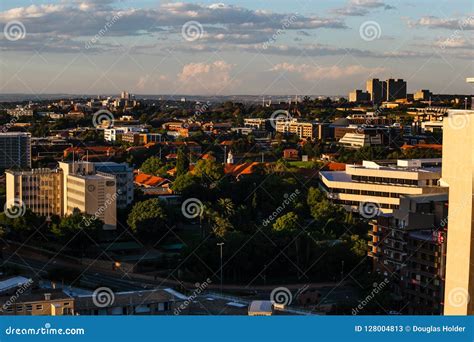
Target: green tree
{"type": "Point", "coordinates": [77, 230]}
{"type": "Point", "coordinates": [152, 166]}
{"type": "Point", "coordinates": [147, 218]}
{"type": "Point", "coordinates": [182, 163]}
{"type": "Point", "coordinates": [287, 222]}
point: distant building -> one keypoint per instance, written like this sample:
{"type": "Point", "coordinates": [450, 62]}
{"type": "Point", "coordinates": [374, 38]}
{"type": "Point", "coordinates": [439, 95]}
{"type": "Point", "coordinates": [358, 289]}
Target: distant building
{"type": "Point", "coordinates": [422, 95]}
{"type": "Point", "coordinates": [381, 184]}
{"type": "Point", "coordinates": [303, 130]}
{"type": "Point", "coordinates": [15, 150]}
{"type": "Point", "coordinates": [20, 111]}
{"type": "Point", "coordinates": [359, 96]}
{"type": "Point", "coordinates": [377, 90]}
{"type": "Point", "coordinates": [116, 133]}
{"type": "Point", "coordinates": [359, 140]}
{"type": "Point", "coordinates": [396, 89]}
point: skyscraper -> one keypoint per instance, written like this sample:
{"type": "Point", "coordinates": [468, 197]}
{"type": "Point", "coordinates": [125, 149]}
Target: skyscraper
{"type": "Point", "coordinates": [396, 89]}
{"type": "Point", "coordinates": [458, 174]}
{"type": "Point", "coordinates": [377, 90]}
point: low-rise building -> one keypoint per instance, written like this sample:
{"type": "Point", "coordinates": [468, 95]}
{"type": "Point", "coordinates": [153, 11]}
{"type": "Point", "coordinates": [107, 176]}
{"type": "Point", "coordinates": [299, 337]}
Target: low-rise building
{"type": "Point", "coordinates": [304, 130]}
{"type": "Point", "coordinates": [381, 184]}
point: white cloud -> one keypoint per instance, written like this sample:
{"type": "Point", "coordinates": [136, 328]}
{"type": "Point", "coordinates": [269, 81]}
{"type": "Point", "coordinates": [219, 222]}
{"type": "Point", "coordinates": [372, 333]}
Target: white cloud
{"type": "Point", "coordinates": [207, 78]}
{"type": "Point", "coordinates": [312, 72]}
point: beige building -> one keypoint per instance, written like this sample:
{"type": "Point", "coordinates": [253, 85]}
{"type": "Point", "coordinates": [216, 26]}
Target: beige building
{"type": "Point", "coordinates": [381, 183]}
{"type": "Point", "coordinates": [302, 129]}
{"type": "Point", "coordinates": [91, 193]}
{"type": "Point", "coordinates": [39, 189]}
{"type": "Point", "coordinates": [458, 174]}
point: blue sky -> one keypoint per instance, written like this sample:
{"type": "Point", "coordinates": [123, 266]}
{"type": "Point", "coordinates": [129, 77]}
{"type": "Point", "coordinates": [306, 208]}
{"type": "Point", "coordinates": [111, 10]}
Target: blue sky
{"type": "Point", "coordinates": [233, 47]}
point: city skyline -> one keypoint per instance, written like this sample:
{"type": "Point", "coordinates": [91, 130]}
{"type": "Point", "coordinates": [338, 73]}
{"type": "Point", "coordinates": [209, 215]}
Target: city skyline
{"type": "Point", "coordinates": [240, 47]}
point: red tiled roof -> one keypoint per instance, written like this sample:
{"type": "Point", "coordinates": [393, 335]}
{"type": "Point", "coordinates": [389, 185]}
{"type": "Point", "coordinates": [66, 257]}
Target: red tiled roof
{"type": "Point", "coordinates": [149, 180]}
{"type": "Point", "coordinates": [432, 146]}
{"type": "Point", "coordinates": [333, 166]}
{"type": "Point", "coordinates": [237, 170]}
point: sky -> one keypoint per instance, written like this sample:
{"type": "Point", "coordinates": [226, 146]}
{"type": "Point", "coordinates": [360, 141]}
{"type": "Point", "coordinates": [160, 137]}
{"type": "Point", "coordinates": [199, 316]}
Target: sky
{"type": "Point", "coordinates": [280, 47]}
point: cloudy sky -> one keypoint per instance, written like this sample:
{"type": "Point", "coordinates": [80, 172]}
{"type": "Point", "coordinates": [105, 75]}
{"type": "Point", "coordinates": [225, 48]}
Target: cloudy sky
{"type": "Point", "coordinates": [234, 47]}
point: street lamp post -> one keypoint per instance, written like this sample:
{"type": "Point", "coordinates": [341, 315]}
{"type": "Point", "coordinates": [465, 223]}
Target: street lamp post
{"type": "Point", "coordinates": [220, 244]}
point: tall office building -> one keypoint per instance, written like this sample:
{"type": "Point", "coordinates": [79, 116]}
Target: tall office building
{"type": "Point", "coordinates": [15, 150]}
{"type": "Point", "coordinates": [377, 90]}
{"type": "Point", "coordinates": [39, 190]}
{"type": "Point", "coordinates": [396, 89]}
{"type": "Point", "coordinates": [458, 174]}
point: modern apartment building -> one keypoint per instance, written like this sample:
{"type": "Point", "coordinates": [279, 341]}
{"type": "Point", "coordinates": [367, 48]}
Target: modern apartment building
{"type": "Point", "coordinates": [15, 150]}
{"type": "Point", "coordinates": [458, 174]}
{"type": "Point", "coordinates": [39, 189]}
{"type": "Point", "coordinates": [409, 248]}
{"type": "Point", "coordinates": [124, 178]}
{"type": "Point", "coordinates": [381, 183]}
{"type": "Point", "coordinates": [303, 130]}
{"type": "Point", "coordinates": [116, 133]}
